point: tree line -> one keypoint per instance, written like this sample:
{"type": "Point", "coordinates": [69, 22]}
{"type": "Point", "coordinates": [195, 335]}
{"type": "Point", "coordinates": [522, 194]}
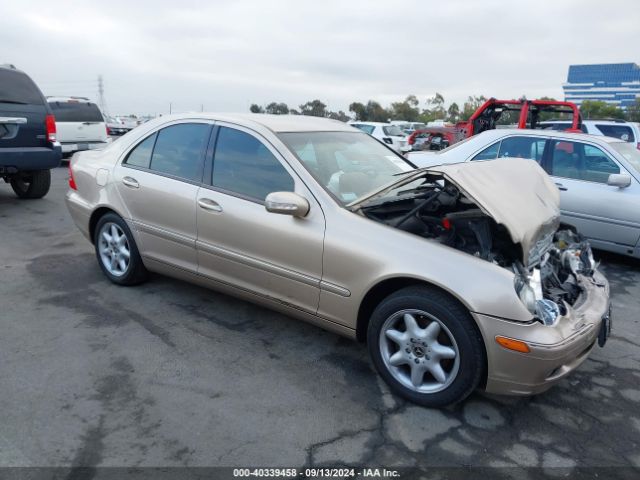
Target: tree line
{"type": "Point", "coordinates": [434, 108]}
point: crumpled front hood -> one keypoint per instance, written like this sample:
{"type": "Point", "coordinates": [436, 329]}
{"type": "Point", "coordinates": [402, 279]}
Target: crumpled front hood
{"type": "Point", "coordinates": [516, 193]}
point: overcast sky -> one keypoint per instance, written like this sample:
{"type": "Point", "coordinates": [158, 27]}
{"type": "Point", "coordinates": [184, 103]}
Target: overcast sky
{"type": "Point", "coordinates": [226, 55]}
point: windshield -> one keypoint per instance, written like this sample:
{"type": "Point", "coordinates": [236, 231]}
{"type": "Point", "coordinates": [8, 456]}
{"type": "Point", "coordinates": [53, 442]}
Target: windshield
{"type": "Point", "coordinates": [629, 151]}
{"type": "Point", "coordinates": [349, 165]}
{"type": "Point", "coordinates": [76, 112]}
{"type": "Point", "coordinates": [16, 87]}
{"type": "Point", "coordinates": [393, 131]}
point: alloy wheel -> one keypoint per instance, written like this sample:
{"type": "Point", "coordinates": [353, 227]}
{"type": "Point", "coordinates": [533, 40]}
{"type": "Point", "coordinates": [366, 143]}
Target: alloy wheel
{"type": "Point", "coordinates": [114, 250]}
{"type": "Point", "coordinates": [419, 351]}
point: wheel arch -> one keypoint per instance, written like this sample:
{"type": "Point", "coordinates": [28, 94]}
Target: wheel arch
{"type": "Point", "coordinates": [96, 215]}
{"type": "Point", "coordinates": [386, 287]}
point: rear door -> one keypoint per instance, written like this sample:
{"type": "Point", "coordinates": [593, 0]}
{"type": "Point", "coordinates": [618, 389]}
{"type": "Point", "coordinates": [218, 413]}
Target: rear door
{"type": "Point", "coordinates": [158, 181]}
{"type": "Point", "coordinates": [22, 112]}
{"type": "Point", "coordinates": [79, 122]}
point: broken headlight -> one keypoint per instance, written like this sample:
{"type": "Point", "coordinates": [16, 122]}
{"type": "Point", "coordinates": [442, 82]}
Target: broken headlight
{"type": "Point", "coordinates": [529, 290]}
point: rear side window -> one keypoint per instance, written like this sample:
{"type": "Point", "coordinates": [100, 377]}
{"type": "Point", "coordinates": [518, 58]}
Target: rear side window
{"type": "Point", "coordinates": [561, 127]}
{"type": "Point", "coordinates": [178, 150]}
{"type": "Point", "coordinates": [522, 147]}
{"type": "Point", "coordinates": [244, 165]}
{"type": "Point", "coordinates": [140, 156]}
{"type": "Point", "coordinates": [16, 87]}
{"type": "Point", "coordinates": [76, 112]}
{"type": "Point", "coordinates": [623, 132]}
{"type": "Point", "coordinates": [393, 131]}
{"type": "Point", "coordinates": [365, 128]}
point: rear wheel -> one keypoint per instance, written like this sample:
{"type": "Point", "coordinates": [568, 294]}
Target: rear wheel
{"type": "Point", "coordinates": [31, 184]}
{"type": "Point", "coordinates": [426, 346]}
{"type": "Point", "coordinates": [117, 251]}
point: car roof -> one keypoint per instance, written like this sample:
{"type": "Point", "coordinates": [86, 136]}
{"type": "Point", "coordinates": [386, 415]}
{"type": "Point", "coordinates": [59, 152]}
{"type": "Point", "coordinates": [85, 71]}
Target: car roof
{"type": "Point", "coordinates": [604, 121]}
{"type": "Point", "coordinates": [373, 124]}
{"type": "Point", "coordinates": [503, 132]}
{"type": "Point", "coordinates": [275, 123]}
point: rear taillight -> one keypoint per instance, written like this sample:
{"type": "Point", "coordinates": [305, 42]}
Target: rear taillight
{"type": "Point", "coordinates": [108, 131]}
{"type": "Point", "coordinates": [638, 145]}
{"type": "Point", "coordinates": [72, 181]}
{"type": "Point", "coordinates": [50, 127]}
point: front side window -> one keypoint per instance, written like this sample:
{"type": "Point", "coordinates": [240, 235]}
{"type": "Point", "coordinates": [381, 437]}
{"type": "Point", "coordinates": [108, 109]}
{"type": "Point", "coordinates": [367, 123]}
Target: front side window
{"type": "Point", "coordinates": [178, 150]}
{"type": "Point", "coordinates": [580, 161]}
{"type": "Point", "coordinates": [244, 165]}
{"type": "Point", "coordinates": [522, 147]}
{"type": "Point", "coordinates": [489, 153]}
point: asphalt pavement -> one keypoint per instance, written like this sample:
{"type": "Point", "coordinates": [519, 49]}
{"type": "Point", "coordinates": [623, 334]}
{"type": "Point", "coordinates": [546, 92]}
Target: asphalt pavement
{"type": "Point", "coordinates": [171, 374]}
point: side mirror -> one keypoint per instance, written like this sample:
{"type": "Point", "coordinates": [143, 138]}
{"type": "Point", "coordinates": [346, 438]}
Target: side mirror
{"type": "Point", "coordinates": [286, 203]}
{"type": "Point", "coordinates": [620, 180]}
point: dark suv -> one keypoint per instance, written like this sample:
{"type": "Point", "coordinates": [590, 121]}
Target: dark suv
{"type": "Point", "coordinates": [28, 145]}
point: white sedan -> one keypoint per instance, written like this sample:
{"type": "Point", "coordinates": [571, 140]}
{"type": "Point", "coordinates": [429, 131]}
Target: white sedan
{"type": "Point", "coordinates": [392, 135]}
{"type": "Point", "coordinates": [598, 178]}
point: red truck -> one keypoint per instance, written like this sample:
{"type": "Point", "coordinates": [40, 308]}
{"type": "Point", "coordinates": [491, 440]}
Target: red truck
{"type": "Point", "coordinates": [487, 116]}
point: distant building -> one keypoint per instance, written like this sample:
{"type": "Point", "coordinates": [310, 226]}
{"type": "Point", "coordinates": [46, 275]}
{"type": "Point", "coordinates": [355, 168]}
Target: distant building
{"type": "Point", "coordinates": [614, 83]}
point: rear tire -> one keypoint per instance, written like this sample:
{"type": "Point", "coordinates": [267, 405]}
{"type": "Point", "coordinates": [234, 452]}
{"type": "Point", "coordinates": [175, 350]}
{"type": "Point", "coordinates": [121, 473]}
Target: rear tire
{"type": "Point", "coordinates": [117, 252]}
{"type": "Point", "coordinates": [34, 184]}
{"type": "Point", "coordinates": [426, 346]}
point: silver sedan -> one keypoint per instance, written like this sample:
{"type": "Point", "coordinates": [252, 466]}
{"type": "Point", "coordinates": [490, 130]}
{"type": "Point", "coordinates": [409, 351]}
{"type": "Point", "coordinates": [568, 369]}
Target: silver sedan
{"type": "Point", "coordinates": [598, 178]}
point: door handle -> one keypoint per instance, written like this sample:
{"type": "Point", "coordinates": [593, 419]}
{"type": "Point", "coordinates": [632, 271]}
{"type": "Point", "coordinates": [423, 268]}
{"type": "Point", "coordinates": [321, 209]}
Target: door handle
{"type": "Point", "coordinates": [561, 187]}
{"type": "Point", "coordinates": [18, 120]}
{"type": "Point", "coordinates": [209, 204]}
{"type": "Point", "coordinates": [130, 182]}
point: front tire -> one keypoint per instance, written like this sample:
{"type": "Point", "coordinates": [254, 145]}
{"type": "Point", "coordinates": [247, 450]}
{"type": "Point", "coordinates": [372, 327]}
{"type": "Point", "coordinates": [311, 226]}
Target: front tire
{"type": "Point", "coordinates": [34, 184]}
{"type": "Point", "coordinates": [117, 252]}
{"type": "Point", "coordinates": [426, 346]}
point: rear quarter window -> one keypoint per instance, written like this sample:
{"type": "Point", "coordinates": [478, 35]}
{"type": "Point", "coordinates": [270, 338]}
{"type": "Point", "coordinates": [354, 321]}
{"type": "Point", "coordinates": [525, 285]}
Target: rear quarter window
{"type": "Point", "coordinates": [16, 87]}
{"type": "Point", "coordinates": [76, 112]}
{"type": "Point", "coordinates": [623, 132]}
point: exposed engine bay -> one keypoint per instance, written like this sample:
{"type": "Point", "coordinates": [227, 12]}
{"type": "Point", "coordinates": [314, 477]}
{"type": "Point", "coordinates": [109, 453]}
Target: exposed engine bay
{"type": "Point", "coordinates": [438, 210]}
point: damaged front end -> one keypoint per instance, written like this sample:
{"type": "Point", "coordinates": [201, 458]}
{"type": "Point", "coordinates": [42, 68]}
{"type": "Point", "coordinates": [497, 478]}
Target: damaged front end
{"type": "Point", "coordinates": [505, 212]}
{"type": "Point", "coordinates": [550, 288]}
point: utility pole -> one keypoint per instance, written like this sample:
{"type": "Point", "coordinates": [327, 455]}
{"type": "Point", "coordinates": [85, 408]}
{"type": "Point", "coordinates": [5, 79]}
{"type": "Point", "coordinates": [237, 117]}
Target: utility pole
{"type": "Point", "coordinates": [169, 108]}
{"type": "Point", "coordinates": [101, 100]}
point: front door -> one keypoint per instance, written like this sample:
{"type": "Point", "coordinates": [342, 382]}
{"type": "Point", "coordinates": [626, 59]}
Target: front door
{"type": "Point", "coordinates": [158, 181]}
{"type": "Point", "coordinates": [239, 242]}
{"type": "Point", "coordinates": [599, 211]}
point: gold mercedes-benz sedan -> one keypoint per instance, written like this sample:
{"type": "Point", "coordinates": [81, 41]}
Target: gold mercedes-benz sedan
{"type": "Point", "coordinates": [458, 277]}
